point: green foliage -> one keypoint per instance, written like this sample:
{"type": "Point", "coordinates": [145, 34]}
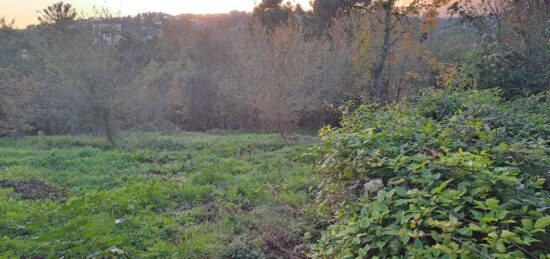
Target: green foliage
{"type": "Point", "coordinates": [272, 13]}
{"type": "Point", "coordinates": [176, 195]}
{"type": "Point", "coordinates": [514, 50]}
{"type": "Point", "coordinates": [510, 69]}
{"type": "Point", "coordinates": [453, 174]}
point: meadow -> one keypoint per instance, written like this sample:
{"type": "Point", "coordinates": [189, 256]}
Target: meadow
{"type": "Point", "coordinates": [432, 121]}
{"type": "Point", "coordinates": [185, 195]}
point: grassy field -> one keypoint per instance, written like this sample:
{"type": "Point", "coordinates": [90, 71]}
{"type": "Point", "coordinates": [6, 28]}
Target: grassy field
{"type": "Point", "coordinates": [181, 195]}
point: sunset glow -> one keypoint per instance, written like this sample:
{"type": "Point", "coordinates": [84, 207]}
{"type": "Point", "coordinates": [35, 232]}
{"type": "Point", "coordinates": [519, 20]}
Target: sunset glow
{"type": "Point", "coordinates": [24, 11]}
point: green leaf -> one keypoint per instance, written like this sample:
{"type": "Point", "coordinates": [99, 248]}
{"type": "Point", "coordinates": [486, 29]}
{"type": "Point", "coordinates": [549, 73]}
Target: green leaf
{"type": "Point", "coordinates": [543, 222]}
{"type": "Point", "coordinates": [363, 252]}
{"type": "Point", "coordinates": [348, 172]}
{"type": "Point", "coordinates": [489, 219]}
{"type": "Point", "coordinates": [443, 249]}
{"type": "Point", "coordinates": [492, 203]}
{"type": "Point", "coordinates": [527, 224]}
{"type": "Point", "coordinates": [364, 222]}
{"type": "Point", "coordinates": [508, 234]}
{"type": "Point", "coordinates": [540, 182]}
{"type": "Point", "coordinates": [441, 187]}
{"type": "Point", "coordinates": [418, 244]}
{"type": "Point", "coordinates": [476, 228]}
{"type": "Point", "coordinates": [501, 248]}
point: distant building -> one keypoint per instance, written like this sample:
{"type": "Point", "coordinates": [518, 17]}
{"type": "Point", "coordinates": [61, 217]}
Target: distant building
{"type": "Point", "coordinates": [110, 33]}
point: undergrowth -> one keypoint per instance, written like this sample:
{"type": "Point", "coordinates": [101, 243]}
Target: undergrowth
{"type": "Point", "coordinates": [451, 174]}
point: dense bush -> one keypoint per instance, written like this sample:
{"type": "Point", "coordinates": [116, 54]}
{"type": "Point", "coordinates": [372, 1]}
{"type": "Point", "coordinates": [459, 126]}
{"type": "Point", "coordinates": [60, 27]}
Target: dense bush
{"type": "Point", "coordinates": [513, 50]}
{"type": "Point", "coordinates": [453, 174]}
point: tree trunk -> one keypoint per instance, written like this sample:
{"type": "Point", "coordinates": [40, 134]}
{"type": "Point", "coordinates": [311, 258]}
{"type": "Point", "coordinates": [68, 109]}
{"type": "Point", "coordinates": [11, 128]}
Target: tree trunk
{"type": "Point", "coordinates": [109, 132]}
{"type": "Point", "coordinates": [386, 45]}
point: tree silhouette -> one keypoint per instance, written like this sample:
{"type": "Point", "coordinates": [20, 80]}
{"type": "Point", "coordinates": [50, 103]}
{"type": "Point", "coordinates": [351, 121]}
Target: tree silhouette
{"type": "Point", "coordinates": [4, 24]}
{"type": "Point", "coordinates": [272, 13]}
{"type": "Point", "coordinates": [57, 13]}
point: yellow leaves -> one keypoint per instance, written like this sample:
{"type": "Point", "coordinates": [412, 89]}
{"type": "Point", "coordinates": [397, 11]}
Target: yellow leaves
{"type": "Point", "coordinates": [364, 43]}
{"type": "Point", "coordinates": [392, 59]}
{"type": "Point", "coordinates": [410, 46]}
{"type": "Point", "coordinates": [414, 222]}
{"type": "Point", "coordinates": [447, 75]}
{"type": "Point", "coordinates": [430, 20]}
{"type": "Point", "coordinates": [414, 76]}
{"type": "Point", "coordinates": [362, 46]}
{"type": "Point", "coordinates": [434, 63]}
{"type": "Point", "coordinates": [417, 234]}
{"type": "Point", "coordinates": [440, 3]}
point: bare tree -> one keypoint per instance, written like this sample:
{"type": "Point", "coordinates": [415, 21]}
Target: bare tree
{"type": "Point", "coordinates": [278, 77]}
{"type": "Point", "coordinates": [94, 79]}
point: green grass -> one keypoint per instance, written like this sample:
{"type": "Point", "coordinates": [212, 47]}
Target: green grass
{"type": "Point", "coordinates": [179, 195]}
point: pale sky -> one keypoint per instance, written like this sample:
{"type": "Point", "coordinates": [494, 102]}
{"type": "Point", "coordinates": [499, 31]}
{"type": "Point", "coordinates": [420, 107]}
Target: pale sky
{"type": "Point", "coordinates": [24, 11]}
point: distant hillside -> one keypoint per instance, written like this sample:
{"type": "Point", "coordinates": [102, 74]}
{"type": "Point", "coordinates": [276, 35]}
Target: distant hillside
{"type": "Point", "coordinates": [149, 26]}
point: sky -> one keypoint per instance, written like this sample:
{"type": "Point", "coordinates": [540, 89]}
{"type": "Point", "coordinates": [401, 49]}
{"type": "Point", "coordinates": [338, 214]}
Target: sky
{"type": "Point", "coordinates": [24, 11]}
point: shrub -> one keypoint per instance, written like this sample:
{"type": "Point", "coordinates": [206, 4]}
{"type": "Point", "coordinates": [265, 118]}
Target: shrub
{"type": "Point", "coordinates": [451, 174]}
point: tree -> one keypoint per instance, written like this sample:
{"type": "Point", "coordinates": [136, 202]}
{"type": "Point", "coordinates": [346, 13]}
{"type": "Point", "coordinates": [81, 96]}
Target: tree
{"type": "Point", "coordinates": [93, 79]}
{"type": "Point", "coordinates": [326, 10]}
{"type": "Point", "coordinates": [206, 53]}
{"type": "Point", "coordinates": [17, 107]}
{"type": "Point", "coordinates": [58, 13]}
{"type": "Point", "coordinates": [276, 79]}
{"type": "Point", "coordinates": [9, 40]}
{"type": "Point", "coordinates": [397, 21]}
{"type": "Point", "coordinates": [388, 9]}
{"type": "Point", "coordinates": [18, 82]}
{"type": "Point", "coordinates": [515, 46]}
{"type": "Point", "coordinates": [5, 25]}
{"type": "Point", "coordinates": [272, 13]}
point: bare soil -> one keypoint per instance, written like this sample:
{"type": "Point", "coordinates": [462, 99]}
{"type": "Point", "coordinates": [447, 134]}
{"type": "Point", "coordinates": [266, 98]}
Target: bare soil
{"type": "Point", "coordinates": [33, 190]}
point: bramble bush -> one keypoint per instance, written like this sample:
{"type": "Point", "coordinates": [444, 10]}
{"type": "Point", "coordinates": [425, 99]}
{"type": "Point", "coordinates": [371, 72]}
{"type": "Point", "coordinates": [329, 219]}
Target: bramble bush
{"type": "Point", "coordinates": [450, 174]}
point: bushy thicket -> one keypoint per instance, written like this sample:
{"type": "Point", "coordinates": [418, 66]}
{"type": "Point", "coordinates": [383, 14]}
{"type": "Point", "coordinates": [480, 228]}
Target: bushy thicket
{"type": "Point", "coordinates": [453, 173]}
{"type": "Point", "coordinates": [161, 72]}
{"type": "Point", "coordinates": [513, 50]}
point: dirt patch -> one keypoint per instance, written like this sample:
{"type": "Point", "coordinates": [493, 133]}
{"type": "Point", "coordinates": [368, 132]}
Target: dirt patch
{"type": "Point", "coordinates": [280, 242]}
{"type": "Point", "coordinates": [247, 207]}
{"type": "Point", "coordinates": [33, 190]}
